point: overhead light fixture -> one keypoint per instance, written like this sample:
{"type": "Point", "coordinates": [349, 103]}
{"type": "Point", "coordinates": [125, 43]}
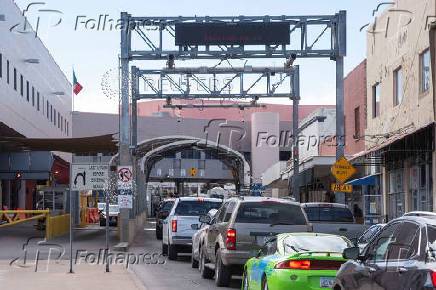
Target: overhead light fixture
{"type": "Point", "coordinates": [32, 60]}
{"type": "Point", "coordinates": [170, 61]}
{"type": "Point", "coordinates": [59, 93]}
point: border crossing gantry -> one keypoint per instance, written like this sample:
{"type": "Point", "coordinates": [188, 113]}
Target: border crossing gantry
{"type": "Point", "coordinates": [310, 36]}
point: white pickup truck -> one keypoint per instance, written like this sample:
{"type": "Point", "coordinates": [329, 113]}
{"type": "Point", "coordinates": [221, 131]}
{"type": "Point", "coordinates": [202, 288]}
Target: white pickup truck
{"type": "Point", "coordinates": [183, 221]}
{"type": "Point", "coordinates": [333, 218]}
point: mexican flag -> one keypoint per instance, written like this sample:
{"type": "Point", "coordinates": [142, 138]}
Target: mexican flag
{"type": "Point", "coordinates": [77, 87]}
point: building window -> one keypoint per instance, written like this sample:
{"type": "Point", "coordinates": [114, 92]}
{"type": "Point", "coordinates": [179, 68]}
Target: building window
{"type": "Point", "coordinates": [37, 101]}
{"type": "Point", "coordinates": [51, 113]}
{"type": "Point", "coordinates": [62, 123]}
{"type": "Point", "coordinates": [68, 128]}
{"type": "Point", "coordinates": [54, 117]}
{"type": "Point", "coordinates": [27, 90]}
{"type": "Point", "coordinates": [398, 86]}
{"type": "Point", "coordinates": [15, 79]}
{"type": "Point", "coordinates": [357, 123]}
{"type": "Point", "coordinates": [376, 101]}
{"type": "Point", "coordinates": [424, 68]}
{"type": "Point", "coordinates": [1, 65]}
{"type": "Point", "coordinates": [21, 85]}
{"type": "Point", "coordinates": [59, 120]}
{"type": "Point", "coordinates": [48, 110]}
{"type": "Point", "coordinates": [7, 71]}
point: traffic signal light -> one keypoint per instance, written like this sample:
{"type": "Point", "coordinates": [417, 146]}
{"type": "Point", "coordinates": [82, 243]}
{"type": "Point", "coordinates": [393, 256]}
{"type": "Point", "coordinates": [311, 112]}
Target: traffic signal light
{"type": "Point", "coordinates": [18, 175]}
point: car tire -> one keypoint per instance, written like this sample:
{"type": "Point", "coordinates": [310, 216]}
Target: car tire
{"type": "Point", "coordinates": [245, 285]}
{"type": "Point", "coordinates": [164, 249]}
{"type": "Point", "coordinates": [205, 272]}
{"type": "Point", "coordinates": [222, 272]}
{"type": "Point", "coordinates": [265, 283]}
{"type": "Point", "coordinates": [172, 252]}
{"type": "Point", "coordinates": [194, 263]}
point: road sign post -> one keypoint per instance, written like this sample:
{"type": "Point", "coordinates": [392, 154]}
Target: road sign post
{"type": "Point", "coordinates": [88, 177]}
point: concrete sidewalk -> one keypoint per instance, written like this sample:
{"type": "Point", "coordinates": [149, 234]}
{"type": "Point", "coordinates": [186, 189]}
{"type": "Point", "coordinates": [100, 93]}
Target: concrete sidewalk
{"type": "Point", "coordinates": [85, 276]}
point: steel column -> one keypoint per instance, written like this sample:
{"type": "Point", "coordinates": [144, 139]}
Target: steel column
{"type": "Point", "coordinates": [124, 118]}
{"type": "Point", "coordinates": [295, 132]}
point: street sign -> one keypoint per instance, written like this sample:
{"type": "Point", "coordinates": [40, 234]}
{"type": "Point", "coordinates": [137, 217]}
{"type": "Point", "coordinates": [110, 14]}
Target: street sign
{"type": "Point", "coordinates": [342, 187]}
{"type": "Point", "coordinates": [125, 177]}
{"type": "Point", "coordinates": [89, 176]}
{"type": "Point", "coordinates": [125, 201]}
{"type": "Point", "coordinates": [342, 170]}
{"type": "Point", "coordinates": [193, 172]}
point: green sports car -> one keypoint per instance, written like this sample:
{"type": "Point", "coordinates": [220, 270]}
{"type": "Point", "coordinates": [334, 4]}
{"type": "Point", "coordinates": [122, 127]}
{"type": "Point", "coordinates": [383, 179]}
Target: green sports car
{"type": "Point", "coordinates": [296, 261]}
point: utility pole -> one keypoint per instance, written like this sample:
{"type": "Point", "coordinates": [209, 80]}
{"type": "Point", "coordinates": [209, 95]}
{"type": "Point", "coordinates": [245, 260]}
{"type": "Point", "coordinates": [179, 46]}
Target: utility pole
{"type": "Point", "coordinates": [340, 119]}
{"type": "Point", "coordinates": [124, 154]}
{"type": "Point", "coordinates": [295, 153]}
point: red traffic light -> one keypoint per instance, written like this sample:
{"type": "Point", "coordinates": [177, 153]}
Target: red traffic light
{"type": "Point", "coordinates": [18, 175]}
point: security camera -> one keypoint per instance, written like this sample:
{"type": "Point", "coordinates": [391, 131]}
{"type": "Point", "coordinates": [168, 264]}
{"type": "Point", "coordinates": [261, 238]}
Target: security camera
{"type": "Point", "coordinates": [290, 61]}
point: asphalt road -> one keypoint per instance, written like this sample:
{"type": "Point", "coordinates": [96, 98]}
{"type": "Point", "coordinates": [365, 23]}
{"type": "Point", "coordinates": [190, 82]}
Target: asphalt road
{"type": "Point", "coordinates": [173, 274]}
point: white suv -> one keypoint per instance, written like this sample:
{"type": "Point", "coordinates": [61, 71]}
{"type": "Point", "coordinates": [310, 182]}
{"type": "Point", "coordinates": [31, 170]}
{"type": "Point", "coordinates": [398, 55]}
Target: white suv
{"type": "Point", "coordinates": [182, 222]}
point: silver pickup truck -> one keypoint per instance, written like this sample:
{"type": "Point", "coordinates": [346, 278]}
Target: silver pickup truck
{"type": "Point", "coordinates": [333, 218]}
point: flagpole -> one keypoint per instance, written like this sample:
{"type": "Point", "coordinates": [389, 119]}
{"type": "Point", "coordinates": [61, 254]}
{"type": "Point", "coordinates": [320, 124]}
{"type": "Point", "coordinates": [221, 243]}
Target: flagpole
{"type": "Point", "coordinates": [71, 195]}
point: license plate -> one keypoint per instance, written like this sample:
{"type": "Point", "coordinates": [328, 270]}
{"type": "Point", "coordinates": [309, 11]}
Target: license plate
{"type": "Point", "coordinates": [326, 282]}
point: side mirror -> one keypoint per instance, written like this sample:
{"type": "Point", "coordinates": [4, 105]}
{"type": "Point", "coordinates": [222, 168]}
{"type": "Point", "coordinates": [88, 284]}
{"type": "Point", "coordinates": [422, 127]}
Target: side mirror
{"type": "Point", "coordinates": [351, 253]}
{"type": "Point", "coordinates": [355, 241]}
{"type": "Point", "coordinates": [205, 219]}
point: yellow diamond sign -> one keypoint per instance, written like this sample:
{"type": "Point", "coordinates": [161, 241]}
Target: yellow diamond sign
{"type": "Point", "coordinates": [193, 172]}
{"type": "Point", "coordinates": [342, 170]}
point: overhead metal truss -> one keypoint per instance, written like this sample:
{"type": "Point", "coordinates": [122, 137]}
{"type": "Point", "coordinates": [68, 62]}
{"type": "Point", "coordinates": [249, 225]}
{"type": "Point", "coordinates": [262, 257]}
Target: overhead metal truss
{"type": "Point", "coordinates": [158, 34]}
{"type": "Point", "coordinates": [312, 36]}
{"type": "Point", "coordinates": [249, 77]}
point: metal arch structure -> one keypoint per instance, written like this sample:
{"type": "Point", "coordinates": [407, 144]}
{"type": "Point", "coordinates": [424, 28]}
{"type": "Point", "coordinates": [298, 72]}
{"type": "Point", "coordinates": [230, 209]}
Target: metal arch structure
{"type": "Point", "coordinates": [151, 150]}
{"type": "Point", "coordinates": [161, 47]}
{"type": "Point", "coordinates": [232, 158]}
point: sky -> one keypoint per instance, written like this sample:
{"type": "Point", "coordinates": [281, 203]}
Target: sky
{"type": "Point", "coordinates": [94, 54]}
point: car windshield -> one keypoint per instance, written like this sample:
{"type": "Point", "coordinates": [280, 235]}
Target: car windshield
{"type": "Point", "coordinates": [167, 205]}
{"type": "Point", "coordinates": [369, 234]}
{"type": "Point", "coordinates": [114, 208]}
{"type": "Point", "coordinates": [293, 244]}
{"type": "Point", "coordinates": [270, 213]}
{"type": "Point", "coordinates": [195, 207]}
{"type": "Point", "coordinates": [329, 214]}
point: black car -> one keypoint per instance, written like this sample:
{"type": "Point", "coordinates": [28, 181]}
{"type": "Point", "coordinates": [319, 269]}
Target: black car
{"type": "Point", "coordinates": [401, 256]}
{"type": "Point", "coordinates": [161, 214]}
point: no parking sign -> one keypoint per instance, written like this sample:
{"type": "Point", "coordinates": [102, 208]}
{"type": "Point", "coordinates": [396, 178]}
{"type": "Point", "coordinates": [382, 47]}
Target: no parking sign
{"type": "Point", "coordinates": [125, 186]}
{"type": "Point", "coordinates": [125, 177]}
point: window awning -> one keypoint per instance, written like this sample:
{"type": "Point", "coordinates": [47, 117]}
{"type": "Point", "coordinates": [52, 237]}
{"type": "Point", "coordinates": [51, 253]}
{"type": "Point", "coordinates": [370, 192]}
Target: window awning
{"type": "Point", "coordinates": [367, 180]}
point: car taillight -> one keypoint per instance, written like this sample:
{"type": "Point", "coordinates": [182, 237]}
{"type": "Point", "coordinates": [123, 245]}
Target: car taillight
{"type": "Point", "coordinates": [298, 264]}
{"type": "Point", "coordinates": [433, 277]}
{"type": "Point", "coordinates": [231, 239]}
{"type": "Point", "coordinates": [174, 225]}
